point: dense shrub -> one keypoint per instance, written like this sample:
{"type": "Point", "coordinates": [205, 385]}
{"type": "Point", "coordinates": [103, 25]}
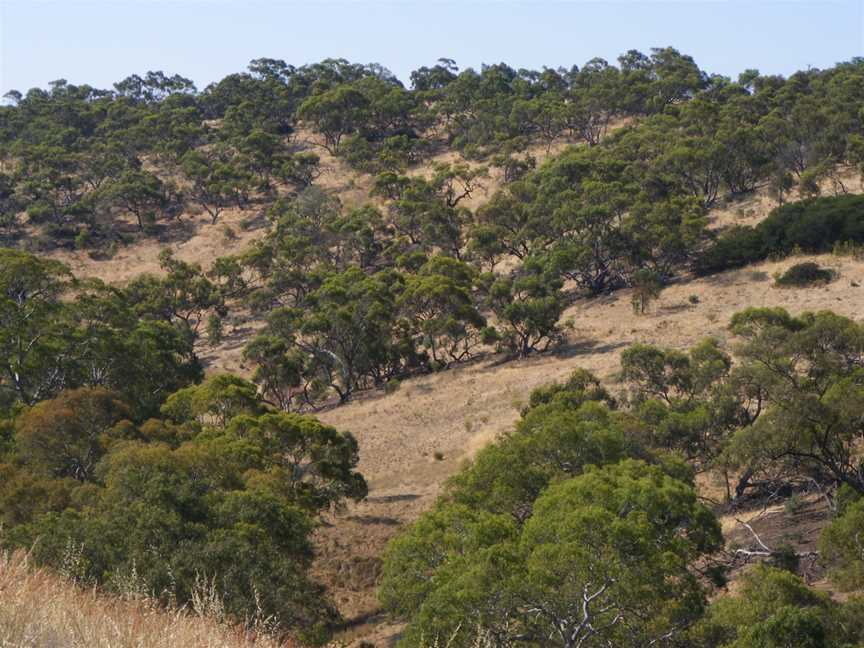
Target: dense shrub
{"type": "Point", "coordinates": [840, 547]}
{"type": "Point", "coordinates": [814, 226]}
{"type": "Point", "coordinates": [734, 249]}
{"type": "Point", "coordinates": [805, 274]}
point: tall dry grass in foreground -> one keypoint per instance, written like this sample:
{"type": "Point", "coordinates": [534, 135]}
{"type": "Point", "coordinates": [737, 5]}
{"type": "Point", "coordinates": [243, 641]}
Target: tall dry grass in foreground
{"type": "Point", "coordinates": [40, 609]}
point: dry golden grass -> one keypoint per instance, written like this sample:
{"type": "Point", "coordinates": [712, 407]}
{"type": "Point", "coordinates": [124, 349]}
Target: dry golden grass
{"type": "Point", "coordinates": [195, 240]}
{"type": "Point", "coordinates": [41, 610]}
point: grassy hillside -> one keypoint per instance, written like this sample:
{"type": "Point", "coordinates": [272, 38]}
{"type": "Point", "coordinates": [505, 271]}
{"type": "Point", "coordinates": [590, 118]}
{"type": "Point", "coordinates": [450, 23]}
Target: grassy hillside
{"type": "Point", "coordinates": [41, 609]}
{"type": "Point", "coordinates": [458, 412]}
{"type": "Point", "coordinates": [411, 441]}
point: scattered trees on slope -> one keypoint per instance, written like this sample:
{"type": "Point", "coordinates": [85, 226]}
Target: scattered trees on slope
{"type": "Point", "coordinates": [532, 540]}
{"type": "Point", "coordinates": [693, 135]}
{"type": "Point", "coordinates": [577, 528]}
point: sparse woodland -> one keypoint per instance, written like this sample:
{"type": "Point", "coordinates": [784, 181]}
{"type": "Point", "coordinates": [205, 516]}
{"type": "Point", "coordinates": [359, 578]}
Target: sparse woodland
{"type": "Point", "coordinates": [126, 464]}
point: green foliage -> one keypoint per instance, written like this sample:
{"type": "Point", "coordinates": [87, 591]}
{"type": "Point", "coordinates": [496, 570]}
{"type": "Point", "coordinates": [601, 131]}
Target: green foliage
{"type": "Point", "coordinates": [807, 370]}
{"type": "Point", "coordinates": [604, 556]}
{"type": "Point", "coordinates": [646, 288]}
{"type": "Point", "coordinates": [513, 167]}
{"type": "Point", "coordinates": [591, 215]}
{"type": "Point", "coordinates": [214, 402]}
{"type": "Point", "coordinates": [554, 534]}
{"type": "Point", "coordinates": [425, 212]}
{"type": "Point", "coordinates": [812, 226]}
{"type": "Point", "coordinates": [140, 193]}
{"type": "Point", "coordinates": [553, 441]}
{"type": "Point", "coordinates": [345, 331]}
{"type": "Point", "coordinates": [301, 169]}
{"type": "Point", "coordinates": [220, 494]}
{"type": "Point", "coordinates": [182, 297]}
{"type": "Point", "coordinates": [805, 274]}
{"type": "Point", "coordinates": [67, 435]}
{"type": "Point", "coordinates": [528, 307]}
{"type": "Point", "coordinates": [734, 248]}
{"type": "Point", "coordinates": [841, 547]}
{"type": "Point", "coordinates": [335, 113]}
{"type": "Point", "coordinates": [30, 290]}
{"type": "Point", "coordinates": [214, 329]}
{"type": "Point", "coordinates": [438, 301]}
{"type": "Point", "coordinates": [689, 402]}
{"type": "Point", "coordinates": [580, 386]}
{"type": "Point", "coordinates": [673, 376]}
{"type": "Point", "coordinates": [9, 209]}
{"type": "Point", "coordinates": [449, 533]}
{"type": "Point", "coordinates": [59, 334]}
{"type": "Point", "coordinates": [215, 182]}
{"type": "Point", "coordinates": [556, 524]}
{"type": "Point", "coordinates": [394, 153]}
{"type": "Point", "coordinates": [78, 153]}
{"type": "Point", "coordinates": [309, 463]}
{"type": "Point", "coordinates": [774, 608]}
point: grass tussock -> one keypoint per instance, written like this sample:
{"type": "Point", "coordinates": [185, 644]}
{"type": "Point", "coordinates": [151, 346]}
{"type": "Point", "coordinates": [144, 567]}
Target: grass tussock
{"type": "Point", "coordinates": [40, 609]}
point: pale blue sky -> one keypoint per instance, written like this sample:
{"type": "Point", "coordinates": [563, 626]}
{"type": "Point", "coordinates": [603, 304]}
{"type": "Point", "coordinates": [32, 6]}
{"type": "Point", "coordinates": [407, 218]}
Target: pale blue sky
{"type": "Point", "coordinates": [102, 42]}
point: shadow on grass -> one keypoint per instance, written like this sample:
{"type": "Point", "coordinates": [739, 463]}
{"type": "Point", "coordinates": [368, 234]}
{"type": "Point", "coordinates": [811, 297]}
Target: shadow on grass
{"type": "Point", "coordinates": [382, 520]}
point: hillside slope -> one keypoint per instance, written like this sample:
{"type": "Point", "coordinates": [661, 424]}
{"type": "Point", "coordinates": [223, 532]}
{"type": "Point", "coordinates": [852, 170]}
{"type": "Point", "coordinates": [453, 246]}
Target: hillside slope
{"type": "Point", "coordinates": [336, 238]}
{"type": "Point", "coordinates": [194, 239]}
{"type": "Point", "coordinates": [412, 440]}
{"type": "Point", "coordinates": [456, 412]}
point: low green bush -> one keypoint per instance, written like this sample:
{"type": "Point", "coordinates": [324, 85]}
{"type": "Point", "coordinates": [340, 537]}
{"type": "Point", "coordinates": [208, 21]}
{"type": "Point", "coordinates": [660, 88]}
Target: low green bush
{"type": "Point", "coordinates": [810, 226]}
{"type": "Point", "coordinates": [736, 248]}
{"type": "Point", "coordinates": [805, 274]}
{"type": "Point", "coordinates": [815, 225]}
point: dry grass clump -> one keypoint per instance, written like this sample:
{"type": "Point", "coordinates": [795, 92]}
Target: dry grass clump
{"type": "Point", "coordinates": [40, 609]}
